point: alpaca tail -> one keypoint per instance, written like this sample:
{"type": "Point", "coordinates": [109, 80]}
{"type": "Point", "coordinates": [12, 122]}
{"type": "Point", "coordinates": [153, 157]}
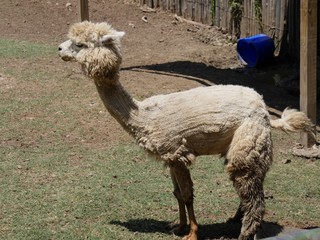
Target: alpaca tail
{"type": "Point", "coordinates": [293, 120]}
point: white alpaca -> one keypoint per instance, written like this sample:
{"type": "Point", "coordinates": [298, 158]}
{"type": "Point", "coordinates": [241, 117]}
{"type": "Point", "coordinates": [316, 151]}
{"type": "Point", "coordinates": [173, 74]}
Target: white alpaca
{"type": "Point", "coordinates": [228, 120]}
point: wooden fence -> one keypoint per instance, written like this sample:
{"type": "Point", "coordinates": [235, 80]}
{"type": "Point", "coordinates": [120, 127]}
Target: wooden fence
{"type": "Point", "coordinates": [280, 19]}
{"type": "Point", "coordinates": [196, 10]}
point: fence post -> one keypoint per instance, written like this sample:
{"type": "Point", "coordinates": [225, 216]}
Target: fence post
{"type": "Point", "coordinates": [308, 63]}
{"type": "Point", "coordinates": [84, 10]}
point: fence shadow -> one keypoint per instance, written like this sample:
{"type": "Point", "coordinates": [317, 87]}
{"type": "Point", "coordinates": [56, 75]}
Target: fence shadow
{"type": "Point", "coordinates": [227, 230]}
{"type": "Point", "coordinates": [263, 80]}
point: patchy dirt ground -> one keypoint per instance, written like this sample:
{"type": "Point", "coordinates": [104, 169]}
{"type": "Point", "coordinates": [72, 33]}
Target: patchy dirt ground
{"type": "Point", "coordinates": [161, 55]}
{"type": "Point", "coordinates": [174, 55]}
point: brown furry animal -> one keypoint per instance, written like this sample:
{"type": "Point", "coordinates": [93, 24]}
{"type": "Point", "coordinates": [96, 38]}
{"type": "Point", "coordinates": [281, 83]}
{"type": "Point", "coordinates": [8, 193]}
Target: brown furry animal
{"type": "Point", "coordinates": [229, 120]}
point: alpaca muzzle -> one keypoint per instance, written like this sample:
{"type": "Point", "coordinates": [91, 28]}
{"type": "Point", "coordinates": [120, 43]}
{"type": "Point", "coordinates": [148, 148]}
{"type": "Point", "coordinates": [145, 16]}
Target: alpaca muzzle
{"type": "Point", "coordinates": [65, 51]}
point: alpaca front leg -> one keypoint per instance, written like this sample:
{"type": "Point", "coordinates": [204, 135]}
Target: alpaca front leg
{"type": "Point", "coordinates": [182, 210]}
{"type": "Point", "coordinates": [193, 234]}
{"type": "Point", "coordinates": [183, 184]}
{"type": "Point", "coordinates": [182, 217]}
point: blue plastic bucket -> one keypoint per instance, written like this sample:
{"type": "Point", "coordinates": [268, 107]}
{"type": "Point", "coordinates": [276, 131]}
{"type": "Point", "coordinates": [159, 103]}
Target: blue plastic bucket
{"type": "Point", "coordinates": [255, 50]}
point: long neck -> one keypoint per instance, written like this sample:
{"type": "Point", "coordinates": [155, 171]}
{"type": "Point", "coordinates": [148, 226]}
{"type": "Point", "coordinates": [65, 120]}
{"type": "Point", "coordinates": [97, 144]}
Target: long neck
{"type": "Point", "coordinates": [119, 103]}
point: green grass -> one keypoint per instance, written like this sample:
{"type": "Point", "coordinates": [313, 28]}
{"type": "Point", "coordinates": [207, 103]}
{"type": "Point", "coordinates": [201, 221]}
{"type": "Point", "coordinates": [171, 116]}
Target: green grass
{"type": "Point", "coordinates": [296, 191]}
{"type": "Point", "coordinates": [119, 194]}
{"type": "Point", "coordinates": [60, 179]}
{"type": "Point", "coordinates": [48, 196]}
{"type": "Point", "coordinates": [10, 48]}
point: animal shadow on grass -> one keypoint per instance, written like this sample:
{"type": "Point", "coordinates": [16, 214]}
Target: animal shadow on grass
{"type": "Point", "coordinates": [226, 230]}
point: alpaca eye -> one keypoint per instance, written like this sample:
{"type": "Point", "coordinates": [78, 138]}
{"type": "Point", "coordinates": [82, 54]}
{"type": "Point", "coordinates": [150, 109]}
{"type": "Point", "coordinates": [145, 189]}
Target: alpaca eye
{"type": "Point", "coordinates": [80, 45]}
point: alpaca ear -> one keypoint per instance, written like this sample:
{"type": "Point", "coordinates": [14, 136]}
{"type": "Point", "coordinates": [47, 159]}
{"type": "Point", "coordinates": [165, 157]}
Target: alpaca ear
{"type": "Point", "coordinates": [109, 38]}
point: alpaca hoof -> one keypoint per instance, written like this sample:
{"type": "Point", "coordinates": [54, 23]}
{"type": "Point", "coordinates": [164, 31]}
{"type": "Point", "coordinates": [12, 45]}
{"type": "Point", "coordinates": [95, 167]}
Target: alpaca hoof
{"type": "Point", "coordinates": [179, 229]}
{"type": "Point", "coordinates": [191, 236]}
{"type": "Point", "coordinates": [243, 237]}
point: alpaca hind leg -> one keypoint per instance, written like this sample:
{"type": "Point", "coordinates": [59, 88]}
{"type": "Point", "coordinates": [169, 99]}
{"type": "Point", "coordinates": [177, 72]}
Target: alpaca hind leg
{"type": "Point", "coordinates": [182, 176]}
{"type": "Point", "coordinates": [249, 158]}
{"type": "Point", "coordinates": [250, 191]}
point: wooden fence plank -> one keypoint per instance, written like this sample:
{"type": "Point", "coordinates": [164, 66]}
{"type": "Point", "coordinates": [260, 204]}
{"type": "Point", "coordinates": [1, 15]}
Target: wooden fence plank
{"type": "Point", "coordinates": [217, 13]}
{"type": "Point", "coordinates": [277, 17]}
{"type": "Point", "coordinates": [308, 63]}
{"type": "Point", "coordinates": [84, 10]}
{"type": "Point", "coordinates": [225, 16]}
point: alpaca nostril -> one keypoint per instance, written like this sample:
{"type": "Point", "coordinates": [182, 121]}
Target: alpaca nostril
{"type": "Point", "coordinates": [60, 48]}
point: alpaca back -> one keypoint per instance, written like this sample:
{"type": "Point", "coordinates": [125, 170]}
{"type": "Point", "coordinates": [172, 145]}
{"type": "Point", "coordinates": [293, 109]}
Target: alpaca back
{"type": "Point", "coordinates": [205, 117]}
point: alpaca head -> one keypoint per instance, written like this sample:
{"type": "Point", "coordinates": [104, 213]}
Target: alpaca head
{"type": "Point", "coordinates": [96, 46]}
